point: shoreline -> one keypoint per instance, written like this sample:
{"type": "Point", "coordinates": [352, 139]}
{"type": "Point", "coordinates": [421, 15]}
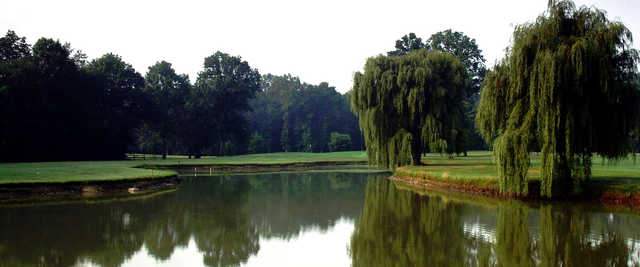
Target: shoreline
{"type": "Point", "coordinates": [22, 192]}
{"type": "Point", "coordinates": [43, 191]}
{"type": "Point", "coordinates": [610, 197]}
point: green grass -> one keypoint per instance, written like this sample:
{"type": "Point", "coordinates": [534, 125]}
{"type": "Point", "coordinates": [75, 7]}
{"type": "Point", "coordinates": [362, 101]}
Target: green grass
{"type": "Point", "coordinates": [85, 171]}
{"type": "Point", "coordinates": [478, 169]}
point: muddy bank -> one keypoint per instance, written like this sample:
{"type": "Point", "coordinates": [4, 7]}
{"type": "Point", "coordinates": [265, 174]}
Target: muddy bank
{"type": "Point", "coordinates": [617, 197]}
{"type": "Point", "coordinates": [438, 185]}
{"type": "Point", "coordinates": [614, 198]}
{"type": "Point", "coordinates": [19, 192]}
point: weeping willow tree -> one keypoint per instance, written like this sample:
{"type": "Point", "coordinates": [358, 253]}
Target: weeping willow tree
{"type": "Point", "coordinates": [566, 89]}
{"type": "Point", "coordinates": [409, 103]}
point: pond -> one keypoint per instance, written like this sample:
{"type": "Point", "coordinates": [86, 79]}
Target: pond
{"type": "Point", "coordinates": [314, 219]}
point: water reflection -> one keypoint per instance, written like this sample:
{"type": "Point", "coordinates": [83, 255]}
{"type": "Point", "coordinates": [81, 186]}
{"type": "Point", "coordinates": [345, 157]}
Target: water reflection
{"type": "Point", "coordinates": [225, 217]}
{"type": "Point", "coordinates": [401, 228]}
{"type": "Point", "coordinates": [343, 219]}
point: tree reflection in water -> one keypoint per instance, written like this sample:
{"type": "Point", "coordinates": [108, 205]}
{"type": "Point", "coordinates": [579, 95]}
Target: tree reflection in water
{"type": "Point", "coordinates": [402, 228]}
{"type": "Point", "coordinates": [227, 217]}
{"type": "Point", "coordinates": [224, 216]}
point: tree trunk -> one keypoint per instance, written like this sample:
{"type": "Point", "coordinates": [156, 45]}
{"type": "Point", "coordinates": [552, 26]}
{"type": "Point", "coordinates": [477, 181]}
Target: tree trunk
{"type": "Point", "coordinates": [416, 152]}
{"type": "Point", "coordinates": [416, 159]}
{"type": "Point", "coordinates": [562, 184]}
{"type": "Point", "coordinates": [165, 149]}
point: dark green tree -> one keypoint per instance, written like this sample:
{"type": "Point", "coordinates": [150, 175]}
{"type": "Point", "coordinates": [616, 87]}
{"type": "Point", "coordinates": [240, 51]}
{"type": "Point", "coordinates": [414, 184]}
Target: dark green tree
{"type": "Point", "coordinates": [466, 49]}
{"type": "Point", "coordinates": [407, 43]}
{"type": "Point", "coordinates": [317, 118]}
{"type": "Point", "coordinates": [122, 102]}
{"type": "Point", "coordinates": [565, 88]}
{"type": "Point", "coordinates": [408, 103]}
{"type": "Point", "coordinates": [222, 93]}
{"type": "Point", "coordinates": [168, 92]}
{"type": "Point", "coordinates": [47, 105]}
{"type": "Point", "coordinates": [295, 116]}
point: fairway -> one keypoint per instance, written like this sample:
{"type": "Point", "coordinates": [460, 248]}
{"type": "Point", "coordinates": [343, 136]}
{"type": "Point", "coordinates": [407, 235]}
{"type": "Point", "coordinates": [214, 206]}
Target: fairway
{"type": "Point", "coordinates": [81, 171]}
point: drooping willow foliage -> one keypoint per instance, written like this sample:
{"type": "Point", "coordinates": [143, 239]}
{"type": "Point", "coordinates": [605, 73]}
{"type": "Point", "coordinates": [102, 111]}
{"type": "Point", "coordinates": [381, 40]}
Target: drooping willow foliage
{"type": "Point", "coordinates": [566, 88]}
{"type": "Point", "coordinates": [409, 103]}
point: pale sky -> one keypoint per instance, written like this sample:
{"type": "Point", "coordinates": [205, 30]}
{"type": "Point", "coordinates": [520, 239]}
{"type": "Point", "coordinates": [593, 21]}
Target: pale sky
{"type": "Point", "coordinates": [316, 40]}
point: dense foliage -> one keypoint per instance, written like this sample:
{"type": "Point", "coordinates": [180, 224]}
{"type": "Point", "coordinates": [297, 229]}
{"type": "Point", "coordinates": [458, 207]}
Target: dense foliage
{"type": "Point", "coordinates": [51, 108]}
{"type": "Point", "coordinates": [410, 104]}
{"type": "Point", "coordinates": [293, 116]}
{"type": "Point", "coordinates": [56, 105]}
{"type": "Point", "coordinates": [467, 51]}
{"type": "Point", "coordinates": [220, 98]}
{"type": "Point", "coordinates": [169, 93]}
{"type": "Point", "coordinates": [566, 88]}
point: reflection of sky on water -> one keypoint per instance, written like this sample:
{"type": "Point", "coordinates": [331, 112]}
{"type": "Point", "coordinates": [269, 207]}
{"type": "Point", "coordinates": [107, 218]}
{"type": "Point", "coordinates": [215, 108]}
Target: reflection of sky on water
{"type": "Point", "coordinates": [297, 251]}
{"type": "Point", "coordinates": [307, 248]}
{"type": "Point", "coordinates": [474, 227]}
{"type": "Point", "coordinates": [480, 231]}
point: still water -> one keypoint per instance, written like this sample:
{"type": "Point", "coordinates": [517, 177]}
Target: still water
{"type": "Point", "coordinates": [314, 219]}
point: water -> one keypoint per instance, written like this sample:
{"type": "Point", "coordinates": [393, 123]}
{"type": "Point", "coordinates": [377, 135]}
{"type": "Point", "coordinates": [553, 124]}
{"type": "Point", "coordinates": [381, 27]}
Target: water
{"type": "Point", "coordinates": [314, 219]}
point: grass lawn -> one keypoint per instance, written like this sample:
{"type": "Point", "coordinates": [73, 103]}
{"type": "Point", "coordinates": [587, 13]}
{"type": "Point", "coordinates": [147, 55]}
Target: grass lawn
{"type": "Point", "coordinates": [478, 169]}
{"type": "Point", "coordinates": [54, 172]}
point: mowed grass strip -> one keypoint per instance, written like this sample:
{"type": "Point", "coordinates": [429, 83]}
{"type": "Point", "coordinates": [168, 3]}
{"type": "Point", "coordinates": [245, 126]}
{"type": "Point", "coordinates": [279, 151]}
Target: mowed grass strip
{"type": "Point", "coordinates": [479, 169]}
{"type": "Point", "coordinates": [86, 171]}
{"type": "Point", "coordinates": [75, 171]}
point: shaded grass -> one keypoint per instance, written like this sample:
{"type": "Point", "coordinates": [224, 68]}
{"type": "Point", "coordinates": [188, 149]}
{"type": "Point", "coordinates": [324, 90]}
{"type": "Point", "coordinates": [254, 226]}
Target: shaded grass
{"type": "Point", "coordinates": [86, 171]}
{"type": "Point", "coordinates": [478, 169]}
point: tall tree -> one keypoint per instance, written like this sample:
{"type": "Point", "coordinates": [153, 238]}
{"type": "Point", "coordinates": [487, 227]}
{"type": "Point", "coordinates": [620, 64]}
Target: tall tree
{"type": "Point", "coordinates": [565, 88]}
{"type": "Point", "coordinates": [169, 92]}
{"type": "Point", "coordinates": [223, 90]}
{"type": "Point", "coordinates": [466, 49]}
{"type": "Point", "coordinates": [123, 100]}
{"type": "Point", "coordinates": [408, 103]}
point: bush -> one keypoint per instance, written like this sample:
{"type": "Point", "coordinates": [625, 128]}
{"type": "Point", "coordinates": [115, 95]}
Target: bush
{"type": "Point", "coordinates": [339, 142]}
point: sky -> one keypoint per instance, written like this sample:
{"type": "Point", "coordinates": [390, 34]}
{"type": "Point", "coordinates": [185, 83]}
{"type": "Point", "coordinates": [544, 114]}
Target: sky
{"type": "Point", "coordinates": [318, 41]}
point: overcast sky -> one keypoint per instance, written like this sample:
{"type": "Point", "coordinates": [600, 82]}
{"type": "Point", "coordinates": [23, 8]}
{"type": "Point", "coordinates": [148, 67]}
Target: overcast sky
{"type": "Point", "coordinates": [316, 40]}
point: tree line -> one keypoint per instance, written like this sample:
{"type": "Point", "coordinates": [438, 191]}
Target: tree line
{"type": "Point", "coordinates": [55, 104]}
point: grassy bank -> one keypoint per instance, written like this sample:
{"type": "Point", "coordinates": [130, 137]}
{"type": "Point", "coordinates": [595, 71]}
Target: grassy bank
{"type": "Point", "coordinates": [81, 171]}
{"type": "Point", "coordinates": [478, 172]}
